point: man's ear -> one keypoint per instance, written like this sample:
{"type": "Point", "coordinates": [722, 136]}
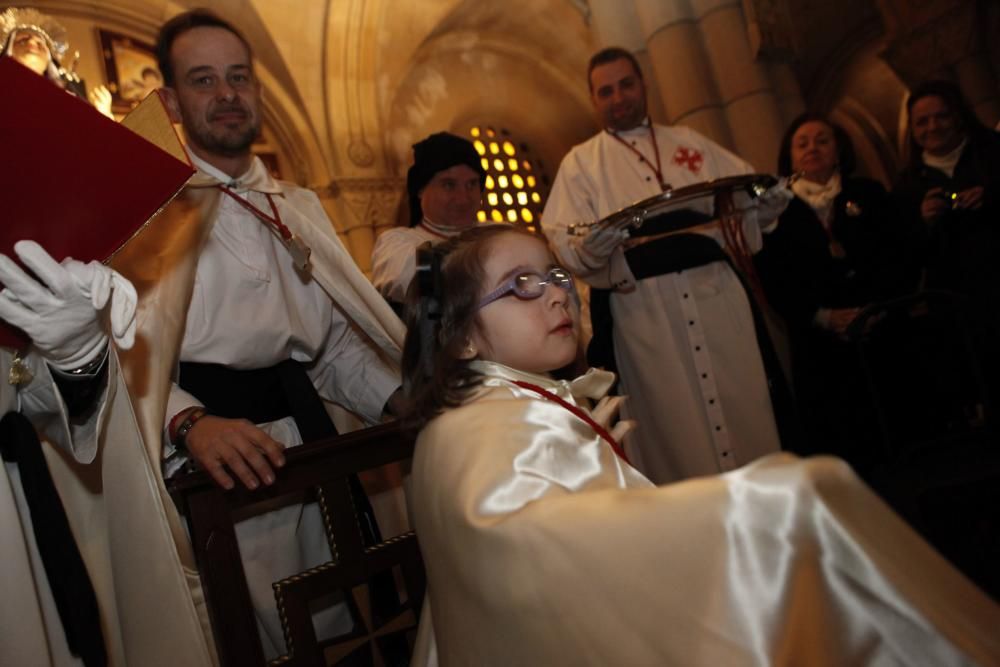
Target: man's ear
{"type": "Point", "coordinates": [169, 96]}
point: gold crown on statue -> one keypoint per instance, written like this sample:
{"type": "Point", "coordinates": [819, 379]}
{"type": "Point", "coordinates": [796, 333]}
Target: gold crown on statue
{"type": "Point", "coordinates": [16, 19]}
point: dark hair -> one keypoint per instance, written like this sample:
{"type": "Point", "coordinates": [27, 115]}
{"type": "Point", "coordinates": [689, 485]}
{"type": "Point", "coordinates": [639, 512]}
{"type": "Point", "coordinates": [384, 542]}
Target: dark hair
{"type": "Point", "coordinates": [180, 24]}
{"type": "Point", "coordinates": [610, 55]}
{"type": "Point", "coordinates": [434, 375]}
{"type": "Point", "coordinates": [846, 161]}
{"type": "Point", "coordinates": [952, 96]}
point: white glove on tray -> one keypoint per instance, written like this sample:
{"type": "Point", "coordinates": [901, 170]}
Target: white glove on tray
{"type": "Point", "coordinates": [773, 202]}
{"type": "Point", "coordinates": [61, 313]}
{"type": "Point", "coordinates": [600, 243]}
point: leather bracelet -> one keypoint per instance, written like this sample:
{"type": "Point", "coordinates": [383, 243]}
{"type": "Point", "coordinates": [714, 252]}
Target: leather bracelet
{"type": "Point", "coordinates": [190, 419]}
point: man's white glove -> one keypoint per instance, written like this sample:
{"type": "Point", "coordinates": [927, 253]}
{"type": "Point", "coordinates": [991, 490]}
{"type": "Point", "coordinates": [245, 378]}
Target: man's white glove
{"type": "Point", "coordinates": [773, 202]}
{"type": "Point", "coordinates": [598, 245]}
{"type": "Point", "coordinates": [61, 314]}
{"type": "Point", "coordinates": [102, 284]}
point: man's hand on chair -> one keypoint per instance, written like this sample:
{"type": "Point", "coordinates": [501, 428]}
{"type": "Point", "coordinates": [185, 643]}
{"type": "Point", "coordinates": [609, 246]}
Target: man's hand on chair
{"type": "Point", "coordinates": [248, 452]}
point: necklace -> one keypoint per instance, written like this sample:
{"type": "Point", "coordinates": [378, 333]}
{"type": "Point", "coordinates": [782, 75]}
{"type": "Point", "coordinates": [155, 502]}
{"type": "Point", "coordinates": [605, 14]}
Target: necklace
{"type": "Point", "coordinates": [296, 246]}
{"type": "Point", "coordinates": [657, 169]}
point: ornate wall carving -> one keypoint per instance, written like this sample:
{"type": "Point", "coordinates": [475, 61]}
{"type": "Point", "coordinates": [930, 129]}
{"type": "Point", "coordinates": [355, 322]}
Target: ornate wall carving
{"type": "Point", "coordinates": [927, 38]}
{"type": "Point", "coordinates": [372, 202]}
{"type": "Point", "coordinates": [361, 208]}
{"type": "Point", "coordinates": [769, 26]}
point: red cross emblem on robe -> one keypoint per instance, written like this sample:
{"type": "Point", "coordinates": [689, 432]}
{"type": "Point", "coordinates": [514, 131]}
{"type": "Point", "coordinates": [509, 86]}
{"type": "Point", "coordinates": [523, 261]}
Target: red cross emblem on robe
{"type": "Point", "coordinates": [689, 158]}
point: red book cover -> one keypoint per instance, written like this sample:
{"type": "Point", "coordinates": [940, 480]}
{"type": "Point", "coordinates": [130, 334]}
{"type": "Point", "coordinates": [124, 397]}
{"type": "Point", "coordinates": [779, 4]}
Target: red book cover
{"type": "Point", "coordinates": [75, 181]}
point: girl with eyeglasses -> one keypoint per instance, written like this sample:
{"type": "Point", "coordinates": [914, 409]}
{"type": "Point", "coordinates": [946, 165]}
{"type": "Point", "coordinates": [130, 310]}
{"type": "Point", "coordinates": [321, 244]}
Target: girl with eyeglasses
{"type": "Point", "coordinates": [544, 546]}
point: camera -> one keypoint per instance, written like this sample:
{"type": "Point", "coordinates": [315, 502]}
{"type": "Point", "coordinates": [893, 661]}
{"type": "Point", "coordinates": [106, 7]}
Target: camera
{"type": "Point", "coordinates": [950, 197]}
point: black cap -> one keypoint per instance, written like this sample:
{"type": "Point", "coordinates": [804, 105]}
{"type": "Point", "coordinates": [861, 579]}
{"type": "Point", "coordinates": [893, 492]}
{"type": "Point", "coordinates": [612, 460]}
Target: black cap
{"type": "Point", "coordinates": [436, 153]}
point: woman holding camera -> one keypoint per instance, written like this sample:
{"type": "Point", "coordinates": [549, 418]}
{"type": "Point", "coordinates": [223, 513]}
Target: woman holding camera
{"type": "Point", "coordinates": [952, 184]}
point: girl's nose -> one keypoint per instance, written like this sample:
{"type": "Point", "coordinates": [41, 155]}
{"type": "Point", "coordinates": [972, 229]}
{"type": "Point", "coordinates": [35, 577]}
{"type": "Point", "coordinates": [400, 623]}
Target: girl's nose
{"type": "Point", "coordinates": [557, 296]}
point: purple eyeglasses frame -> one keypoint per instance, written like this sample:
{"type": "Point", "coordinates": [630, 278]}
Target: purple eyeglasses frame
{"type": "Point", "coordinates": [509, 286]}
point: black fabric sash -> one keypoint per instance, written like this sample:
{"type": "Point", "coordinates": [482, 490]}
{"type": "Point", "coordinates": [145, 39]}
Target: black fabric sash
{"type": "Point", "coordinates": [679, 253]}
{"type": "Point", "coordinates": [674, 221]}
{"type": "Point", "coordinates": [260, 395]}
{"type": "Point", "coordinates": [672, 254]}
{"type": "Point", "coordinates": [71, 588]}
{"type": "Point", "coordinates": [267, 394]}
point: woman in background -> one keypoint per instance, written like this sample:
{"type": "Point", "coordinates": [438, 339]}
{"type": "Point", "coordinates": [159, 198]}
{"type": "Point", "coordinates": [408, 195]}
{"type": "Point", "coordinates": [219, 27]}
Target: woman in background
{"type": "Point", "coordinates": [951, 187]}
{"type": "Point", "coordinates": [838, 247]}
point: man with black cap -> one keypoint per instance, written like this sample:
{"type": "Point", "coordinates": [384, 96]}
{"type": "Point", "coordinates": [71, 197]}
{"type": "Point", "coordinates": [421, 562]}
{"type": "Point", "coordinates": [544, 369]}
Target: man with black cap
{"type": "Point", "coordinates": [445, 187]}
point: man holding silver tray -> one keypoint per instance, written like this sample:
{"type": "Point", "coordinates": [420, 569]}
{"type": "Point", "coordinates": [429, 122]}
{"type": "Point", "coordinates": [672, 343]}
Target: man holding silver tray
{"type": "Point", "coordinates": [673, 306]}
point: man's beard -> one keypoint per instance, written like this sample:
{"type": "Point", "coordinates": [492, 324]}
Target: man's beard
{"type": "Point", "coordinates": [227, 141]}
{"type": "Point", "coordinates": [629, 121]}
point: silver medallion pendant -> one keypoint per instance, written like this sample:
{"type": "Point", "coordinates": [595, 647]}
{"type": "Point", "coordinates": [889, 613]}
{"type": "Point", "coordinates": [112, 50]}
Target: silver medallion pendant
{"type": "Point", "coordinates": [300, 252]}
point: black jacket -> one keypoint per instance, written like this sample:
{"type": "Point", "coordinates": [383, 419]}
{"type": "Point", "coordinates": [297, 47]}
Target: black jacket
{"type": "Point", "coordinates": [800, 274]}
{"type": "Point", "coordinates": [961, 249]}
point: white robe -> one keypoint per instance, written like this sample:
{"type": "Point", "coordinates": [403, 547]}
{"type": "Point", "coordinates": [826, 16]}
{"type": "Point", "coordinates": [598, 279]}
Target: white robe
{"type": "Point", "coordinates": [32, 632]}
{"type": "Point", "coordinates": [163, 263]}
{"type": "Point", "coordinates": [394, 259]}
{"type": "Point", "coordinates": [685, 343]}
{"type": "Point", "coordinates": [543, 548]}
{"type": "Point", "coordinates": [105, 482]}
{"type": "Point", "coordinates": [251, 308]}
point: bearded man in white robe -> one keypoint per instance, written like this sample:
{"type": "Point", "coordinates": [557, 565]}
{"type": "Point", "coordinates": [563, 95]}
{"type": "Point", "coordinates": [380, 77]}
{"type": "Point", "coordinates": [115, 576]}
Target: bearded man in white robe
{"type": "Point", "coordinates": [246, 293]}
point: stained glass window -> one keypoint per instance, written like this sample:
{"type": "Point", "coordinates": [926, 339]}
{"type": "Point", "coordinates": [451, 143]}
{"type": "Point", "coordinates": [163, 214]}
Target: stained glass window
{"type": "Point", "coordinates": [514, 178]}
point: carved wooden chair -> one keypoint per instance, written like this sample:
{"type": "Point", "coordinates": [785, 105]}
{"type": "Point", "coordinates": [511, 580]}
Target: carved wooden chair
{"type": "Point", "coordinates": [381, 634]}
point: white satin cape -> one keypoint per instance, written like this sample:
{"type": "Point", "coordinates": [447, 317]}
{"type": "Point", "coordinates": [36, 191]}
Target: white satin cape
{"type": "Point", "coordinates": [116, 511]}
{"type": "Point", "coordinates": [543, 548]}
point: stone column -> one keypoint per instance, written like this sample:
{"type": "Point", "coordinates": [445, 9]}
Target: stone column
{"type": "Point", "coordinates": [614, 25]}
{"type": "Point", "coordinates": [681, 68]}
{"type": "Point", "coordinates": [360, 209]}
{"type": "Point", "coordinates": [772, 43]}
{"type": "Point", "coordinates": [747, 94]}
{"type": "Point", "coordinates": [787, 91]}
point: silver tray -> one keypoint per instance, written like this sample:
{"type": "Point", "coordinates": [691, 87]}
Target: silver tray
{"type": "Point", "coordinates": [632, 217]}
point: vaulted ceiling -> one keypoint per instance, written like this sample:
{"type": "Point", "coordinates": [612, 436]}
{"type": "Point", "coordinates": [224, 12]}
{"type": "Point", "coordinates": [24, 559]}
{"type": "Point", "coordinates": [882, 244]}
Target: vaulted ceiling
{"type": "Point", "coordinates": [349, 85]}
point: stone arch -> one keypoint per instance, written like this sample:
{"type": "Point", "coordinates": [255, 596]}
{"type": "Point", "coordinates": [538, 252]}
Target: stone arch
{"type": "Point", "coordinates": [522, 68]}
{"type": "Point", "coordinates": [859, 91]}
{"type": "Point", "coordinates": [513, 69]}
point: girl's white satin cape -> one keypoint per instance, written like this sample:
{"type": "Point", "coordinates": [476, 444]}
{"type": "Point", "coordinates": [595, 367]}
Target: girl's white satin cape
{"type": "Point", "coordinates": [543, 548]}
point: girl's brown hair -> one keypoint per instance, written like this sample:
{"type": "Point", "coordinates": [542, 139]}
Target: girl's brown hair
{"type": "Point", "coordinates": [441, 315]}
